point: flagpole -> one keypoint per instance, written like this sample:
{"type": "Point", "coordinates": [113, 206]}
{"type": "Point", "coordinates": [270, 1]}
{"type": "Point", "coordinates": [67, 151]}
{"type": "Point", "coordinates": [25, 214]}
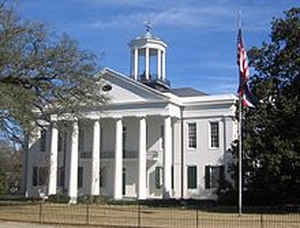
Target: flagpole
{"type": "Point", "coordinates": [240, 157]}
{"type": "Point", "coordinates": [240, 203]}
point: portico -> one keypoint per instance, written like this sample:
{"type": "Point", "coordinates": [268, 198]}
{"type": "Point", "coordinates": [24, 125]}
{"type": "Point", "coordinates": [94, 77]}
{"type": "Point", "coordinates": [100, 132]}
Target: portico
{"type": "Point", "coordinates": [113, 150]}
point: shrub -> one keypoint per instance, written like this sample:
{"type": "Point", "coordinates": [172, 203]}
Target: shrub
{"type": "Point", "coordinates": [58, 198]}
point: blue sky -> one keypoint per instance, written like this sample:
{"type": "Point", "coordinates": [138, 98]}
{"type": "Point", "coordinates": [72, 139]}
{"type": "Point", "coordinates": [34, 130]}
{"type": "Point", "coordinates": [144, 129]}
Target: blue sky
{"type": "Point", "coordinates": [201, 34]}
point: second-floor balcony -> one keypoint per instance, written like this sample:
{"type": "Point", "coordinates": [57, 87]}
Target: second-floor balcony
{"type": "Point", "coordinates": [127, 154]}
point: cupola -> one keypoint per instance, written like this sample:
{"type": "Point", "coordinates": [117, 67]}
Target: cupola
{"type": "Point", "coordinates": [148, 60]}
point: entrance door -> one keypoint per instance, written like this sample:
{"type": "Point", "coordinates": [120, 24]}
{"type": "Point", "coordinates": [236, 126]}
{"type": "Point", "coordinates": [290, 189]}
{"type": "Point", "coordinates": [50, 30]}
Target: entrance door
{"type": "Point", "coordinates": [124, 182]}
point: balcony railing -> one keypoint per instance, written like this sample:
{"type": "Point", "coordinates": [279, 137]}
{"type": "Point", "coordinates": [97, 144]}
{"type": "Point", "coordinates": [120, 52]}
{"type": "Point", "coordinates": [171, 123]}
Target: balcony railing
{"type": "Point", "coordinates": [151, 155]}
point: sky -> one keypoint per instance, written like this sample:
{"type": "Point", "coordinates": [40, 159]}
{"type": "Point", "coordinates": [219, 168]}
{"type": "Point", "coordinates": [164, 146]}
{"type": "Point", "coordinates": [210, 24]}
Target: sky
{"type": "Point", "coordinates": [201, 34]}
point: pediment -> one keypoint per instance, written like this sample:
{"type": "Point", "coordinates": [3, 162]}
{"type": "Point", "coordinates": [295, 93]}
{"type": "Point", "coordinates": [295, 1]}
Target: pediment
{"type": "Point", "coordinates": [126, 90]}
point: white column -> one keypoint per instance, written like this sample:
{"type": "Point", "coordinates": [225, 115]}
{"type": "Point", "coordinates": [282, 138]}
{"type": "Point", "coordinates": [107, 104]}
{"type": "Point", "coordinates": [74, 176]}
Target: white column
{"type": "Point", "coordinates": [158, 64]}
{"type": "Point", "coordinates": [132, 63]}
{"type": "Point", "coordinates": [53, 161]}
{"type": "Point", "coordinates": [163, 65]}
{"type": "Point", "coordinates": [147, 63]}
{"type": "Point", "coordinates": [95, 177]}
{"type": "Point", "coordinates": [136, 63]}
{"type": "Point", "coordinates": [142, 194]}
{"type": "Point", "coordinates": [167, 191]}
{"type": "Point", "coordinates": [118, 181]}
{"type": "Point", "coordinates": [73, 168]}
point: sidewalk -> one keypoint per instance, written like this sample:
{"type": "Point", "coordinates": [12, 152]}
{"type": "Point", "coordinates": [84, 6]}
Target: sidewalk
{"type": "Point", "coordinates": [4, 224]}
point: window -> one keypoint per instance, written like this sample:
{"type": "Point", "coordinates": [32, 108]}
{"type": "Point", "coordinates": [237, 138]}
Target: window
{"type": "Point", "coordinates": [158, 177]}
{"type": "Point", "coordinates": [81, 139]}
{"type": "Point", "coordinates": [35, 176]}
{"type": "Point", "coordinates": [61, 177]}
{"type": "Point", "coordinates": [43, 140]}
{"type": "Point", "coordinates": [80, 177]}
{"type": "Point", "coordinates": [101, 176]}
{"type": "Point", "coordinates": [65, 142]}
{"type": "Point", "coordinates": [124, 135]}
{"type": "Point", "coordinates": [192, 177]}
{"type": "Point", "coordinates": [172, 177]}
{"type": "Point", "coordinates": [43, 175]}
{"type": "Point", "coordinates": [162, 137]}
{"type": "Point", "coordinates": [60, 141]}
{"type": "Point", "coordinates": [86, 155]}
{"type": "Point", "coordinates": [213, 176]}
{"type": "Point", "coordinates": [214, 134]}
{"type": "Point", "coordinates": [39, 176]}
{"type": "Point", "coordinates": [192, 133]}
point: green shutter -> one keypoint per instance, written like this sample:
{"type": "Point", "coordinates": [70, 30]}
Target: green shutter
{"type": "Point", "coordinates": [207, 177]}
{"type": "Point", "coordinates": [192, 177]}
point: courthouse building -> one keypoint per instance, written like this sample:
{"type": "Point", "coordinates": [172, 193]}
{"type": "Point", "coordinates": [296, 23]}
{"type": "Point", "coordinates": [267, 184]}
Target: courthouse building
{"type": "Point", "coordinates": [149, 141]}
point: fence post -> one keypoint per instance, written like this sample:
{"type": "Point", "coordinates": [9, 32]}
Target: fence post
{"type": "Point", "coordinates": [40, 212]}
{"type": "Point", "coordinates": [197, 218]}
{"type": "Point", "coordinates": [87, 214]}
{"type": "Point", "coordinates": [139, 214]}
{"type": "Point", "coordinates": [261, 221]}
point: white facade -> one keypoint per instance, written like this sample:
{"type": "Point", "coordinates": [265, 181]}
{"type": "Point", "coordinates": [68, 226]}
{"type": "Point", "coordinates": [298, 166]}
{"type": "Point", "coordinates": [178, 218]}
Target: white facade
{"type": "Point", "coordinates": [149, 141]}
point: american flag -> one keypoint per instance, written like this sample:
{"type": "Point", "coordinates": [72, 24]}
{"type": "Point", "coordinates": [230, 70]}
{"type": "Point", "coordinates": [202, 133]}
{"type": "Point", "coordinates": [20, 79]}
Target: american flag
{"type": "Point", "coordinates": [248, 100]}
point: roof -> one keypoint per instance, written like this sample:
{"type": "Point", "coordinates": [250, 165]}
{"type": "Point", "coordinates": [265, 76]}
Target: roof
{"type": "Point", "coordinates": [187, 92]}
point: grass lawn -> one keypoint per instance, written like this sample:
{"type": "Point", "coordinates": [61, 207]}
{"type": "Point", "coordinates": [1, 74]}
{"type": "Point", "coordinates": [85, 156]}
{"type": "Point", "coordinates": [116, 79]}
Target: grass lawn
{"type": "Point", "coordinates": [135, 216]}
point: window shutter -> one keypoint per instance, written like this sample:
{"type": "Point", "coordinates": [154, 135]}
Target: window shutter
{"type": "Point", "coordinates": [207, 177]}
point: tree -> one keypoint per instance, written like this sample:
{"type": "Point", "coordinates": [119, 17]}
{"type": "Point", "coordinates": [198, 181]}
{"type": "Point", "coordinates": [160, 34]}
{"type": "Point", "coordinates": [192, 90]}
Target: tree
{"type": "Point", "coordinates": [10, 167]}
{"type": "Point", "coordinates": [271, 139]}
{"type": "Point", "coordinates": [41, 74]}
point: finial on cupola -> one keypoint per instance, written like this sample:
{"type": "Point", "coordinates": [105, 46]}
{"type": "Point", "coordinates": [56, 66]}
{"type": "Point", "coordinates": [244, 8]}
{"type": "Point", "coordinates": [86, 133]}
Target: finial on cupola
{"type": "Point", "coordinates": [148, 26]}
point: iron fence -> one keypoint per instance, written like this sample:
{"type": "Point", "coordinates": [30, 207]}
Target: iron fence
{"type": "Point", "coordinates": [138, 215]}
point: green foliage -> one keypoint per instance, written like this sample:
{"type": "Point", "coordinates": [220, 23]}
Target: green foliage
{"type": "Point", "coordinates": [88, 199]}
{"type": "Point", "coordinates": [10, 167]}
{"type": "Point", "coordinates": [271, 139]}
{"type": "Point", "coordinates": [41, 74]}
{"type": "Point", "coordinates": [58, 198]}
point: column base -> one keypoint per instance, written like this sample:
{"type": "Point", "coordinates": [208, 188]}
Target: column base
{"type": "Point", "coordinates": [117, 198]}
{"type": "Point", "coordinates": [73, 200]}
{"type": "Point", "coordinates": [167, 194]}
{"type": "Point", "coordinates": [142, 197]}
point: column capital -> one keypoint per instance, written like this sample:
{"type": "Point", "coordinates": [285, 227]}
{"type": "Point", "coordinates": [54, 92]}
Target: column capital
{"type": "Point", "coordinates": [141, 116]}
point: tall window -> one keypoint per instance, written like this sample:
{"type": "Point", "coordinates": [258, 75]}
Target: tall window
{"type": "Point", "coordinates": [172, 176]}
{"type": "Point", "coordinates": [192, 177]}
{"type": "Point", "coordinates": [192, 133]}
{"type": "Point", "coordinates": [102, 176]}
{"type": "Point", "coordinates": [39, 176]}
{"type": "Point", "coordinates": [158, 177]}
{"type": "Point", "coordinates": [214, 134]}
{"type": "Point", "coordinates": [213, 176]}
{"type": "Point", "coordinates": [81, 139]}
{"type": "Point", "coordinates": [43, 140]}
{"type": "Point", "coordinates": [60, 141]}
{"type": "Point", "coordinates": [35, 176]}
{"type": "Point", "coordinates": [80, 177]}
{"type": "Point", "coordinates": [61, 177]}
{"type": "Point", "coordinates": [124, 134]}
{"type": "Point", "coordinates": [65, 138]}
